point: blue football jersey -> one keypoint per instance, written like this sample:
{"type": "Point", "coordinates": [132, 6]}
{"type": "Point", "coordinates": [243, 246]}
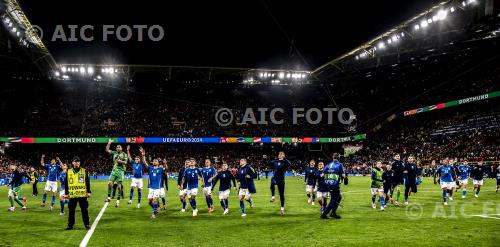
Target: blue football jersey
{"type": "Point", "coordinates": [445, 173]}
{"type": "Point", "coordinates": [53, 172]}
{"type": "Point", "coordinates": [137, 169]}
{"type": "Point", "coordinates": [62, 179]}
{"type": "Point", "coordinates": [463, 172]}
{"type": "Point", "coordinates": [155, 174]}
{"type": "Point", "coordinates": [191, 176]}
{"type": "Point", "coordinates": [207, 173]}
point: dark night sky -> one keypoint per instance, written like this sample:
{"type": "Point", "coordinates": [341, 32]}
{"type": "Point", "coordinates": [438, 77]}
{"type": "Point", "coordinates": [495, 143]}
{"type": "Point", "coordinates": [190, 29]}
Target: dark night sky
{"type": "Point", "coordinates": [230, 33]}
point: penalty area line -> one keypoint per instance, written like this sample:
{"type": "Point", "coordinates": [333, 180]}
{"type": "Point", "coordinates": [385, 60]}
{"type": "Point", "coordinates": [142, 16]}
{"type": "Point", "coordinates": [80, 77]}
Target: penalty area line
{"type": "Point", "coordinates": [87, 237]}
{"type": "Point", "coordinates": [487, 216]}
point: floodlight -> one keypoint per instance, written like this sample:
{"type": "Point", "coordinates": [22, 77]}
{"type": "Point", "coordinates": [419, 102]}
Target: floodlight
{"type": "Point", "coordinates": [424, 23]}
{"type": "Point", "coordinates": [63, 69]}
{"type": "Point", "coordinates": [381, 45]}
{"type": "Point", "coordinates": [281, 75]}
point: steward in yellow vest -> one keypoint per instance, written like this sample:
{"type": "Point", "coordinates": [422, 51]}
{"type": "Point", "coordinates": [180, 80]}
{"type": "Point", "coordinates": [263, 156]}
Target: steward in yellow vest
{"type": "Point", "coordinates": [77, 190]}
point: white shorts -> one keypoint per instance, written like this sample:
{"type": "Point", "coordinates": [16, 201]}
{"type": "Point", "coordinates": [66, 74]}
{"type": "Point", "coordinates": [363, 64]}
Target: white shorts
{"type": "Point", "coordinates": [325, 194]}
{"type": "Point", "coordinates": [162, 192]}
{"type": "Point", "coordinates": [310, 188]}
{"type": "Point", "coordinates": [137, 182]}
{"type": "Point", "coordinates": [11, 193]}
{"type": "Point", "coordinates": [375, 191]}
{"type": "Point", "coordinates": [447, 185]}
{"type": "Point", "coordinates": [477, 182]}
{"type": "Point", "coordinates": [192, 192]}
{"type": "Point", "coordinates": [224, 194]}
{"type": "Point", "coordinates": [244, 192]}
{"type": "Point", "coordinates": [464, 181]}
{"type": "Point", "coordinates": [207, 191]}
{"type": "Point", "coordinates": [153, 193]}
{"type": "Point", "coordinates": [51, 186]}
{"type": "Point", "coordinates": [182, 192]}
{"type": "Point", "coordinates": [61, 193]}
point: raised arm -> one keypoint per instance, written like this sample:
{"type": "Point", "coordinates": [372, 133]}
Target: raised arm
{"type": "Point", "coordinates": [128, 153]}
{"type": "Point", "coordinates": [143, 154]}
{"type": "Point", "coordinates": [42, 162]}
{"type": "Point", "coordinates": [108, 146]}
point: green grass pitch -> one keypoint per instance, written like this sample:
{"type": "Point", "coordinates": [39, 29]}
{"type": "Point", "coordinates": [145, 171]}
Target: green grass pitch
{"type": "Point", "coordinates": [425, 222]}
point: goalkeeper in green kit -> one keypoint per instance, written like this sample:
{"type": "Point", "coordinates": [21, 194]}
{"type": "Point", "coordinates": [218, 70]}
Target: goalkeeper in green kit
{"type": "Point", "coordinates": [120, 160]}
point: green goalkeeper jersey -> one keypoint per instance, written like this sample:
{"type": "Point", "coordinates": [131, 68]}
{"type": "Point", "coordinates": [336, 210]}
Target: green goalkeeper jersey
{"type": "Point", "coordinates": [119, 156]}
{"type": "Point", "coordinates": [377, 180]}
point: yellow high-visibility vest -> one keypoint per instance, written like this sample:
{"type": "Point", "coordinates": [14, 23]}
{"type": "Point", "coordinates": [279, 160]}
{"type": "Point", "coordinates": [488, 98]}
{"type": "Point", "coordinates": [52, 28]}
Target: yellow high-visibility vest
{"type": "Point", "coordinates": [76, 183]}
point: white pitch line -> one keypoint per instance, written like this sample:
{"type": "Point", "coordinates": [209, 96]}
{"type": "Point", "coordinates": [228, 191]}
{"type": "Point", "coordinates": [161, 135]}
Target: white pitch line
{"type": "Point", "coordinates": [486, 216]}
{"type": "Point", "coordinates": [87, 237]}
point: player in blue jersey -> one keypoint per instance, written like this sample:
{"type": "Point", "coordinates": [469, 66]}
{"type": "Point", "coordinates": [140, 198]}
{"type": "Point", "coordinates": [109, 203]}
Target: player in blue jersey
{"type": "Point", "coordinates": [164, 185]}
{"type": "Point", "coordinates": [243, 175]}
{"type": "Point", "coordinates": [333, 174]}
{"type": "Point", "coordinates": [310, 182]}
{"type": "Point", "coordinates": [225, 177]}
{"type": "Point", "coordinates": [62, 192]}
{"type": "Point", "coordinates": [154, 172]}
{"type": "Point", "coordinates": [182, 185]}
{"type": "Point", "coordinates": [447, 176]}
{"type": "Point", "coordinates": [477, 175]}
{"type": "Point", "coordinates": [191, 175]}
{"type": "Point", "coordinates": [280, 167]}
{"type": "Point", "coordinates": [53, 170]}
{"type": "Point", "coordinates": [15, 187]}
{"type": "Point", "coordinates": [208, 172]}
{"type": "Point", "coordinates": [411, 173]}
{"type": "Point", "coordinates": [322, 193]}
{"type": "Point", "coordinates": [398, 179]}
{"type": "Point", "coordinates": [137, 173]}
{"type": "Point", "coordinates": [463, 171]}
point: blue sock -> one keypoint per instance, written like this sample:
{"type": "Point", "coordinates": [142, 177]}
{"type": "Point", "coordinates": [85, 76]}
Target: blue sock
{"type": "Point", "coordinates": [444, 196]}
{"type": "Point", "coordinates": [382, 201]}
{"type": "Point", "coordinates": [155, 206]}
{"type": "Point", "coordinates": [226, 201]}
{"type": "Point", "coordinates": [223, 204]}
{"type": "Point", "coordinates": [193, 203]}
{"type": "Point", "coordinates": [184, 204]}
{"type": "Point", "coordinates": [131, 194]}
{"type": "Point", "coordinates": [53, 200]}
{"type": "Point", "coordinates": [242, 206]}
{"type": "Point", "coordinates": [61, 202]}
{"type": "Point", "coordinates": [139, 196]}
{"type": "Point", "coordinates": [464, 192]}
{"type": "Point", "coordinates": [163, 201]}
{"type": "Point", "coordinates": [250, 201]}
{"type": "Point", "coordinates": [44, 198]}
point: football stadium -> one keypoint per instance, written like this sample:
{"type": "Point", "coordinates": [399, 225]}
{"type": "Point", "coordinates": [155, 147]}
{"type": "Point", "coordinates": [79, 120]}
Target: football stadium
{"type": "Point", "coordinates": [253, 123]}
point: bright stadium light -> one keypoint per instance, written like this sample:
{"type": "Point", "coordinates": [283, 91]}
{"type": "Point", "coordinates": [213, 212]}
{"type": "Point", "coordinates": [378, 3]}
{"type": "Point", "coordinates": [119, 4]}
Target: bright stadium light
{"type": "Point", "coordinates": [261, 75]}
{"type": "Point", "coordinates": [64, 69]}
{"type": "Point", "coordinates": [389, 41]}
{"type": "Point", "coordinates": [288, 75]}
{"type": "Point", "coordinates": [424, 24]}
{"type": "Point", "coordinates": [82, 70]}
{"type": "Point", "coordinates": [90, 70]}
{"type": "Point", "coordinates": [56, 73]}
{"type": "Point", "coordinates": [429, 21]}
{"type": "Point", "coordinates": [441, 15]}
{"type": "Point", "coordinates": [402, 34]}
{"type": "Point", "coordinates": [452, 9]}
{"type": "Point", "coordinates": [417, 27]}
{"type": "Point", "coordinates": [435, 18]}
{"type": "Point", "coordinates": [281, 75]}
{"type": "Point", "coordinates": [381, 45]}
